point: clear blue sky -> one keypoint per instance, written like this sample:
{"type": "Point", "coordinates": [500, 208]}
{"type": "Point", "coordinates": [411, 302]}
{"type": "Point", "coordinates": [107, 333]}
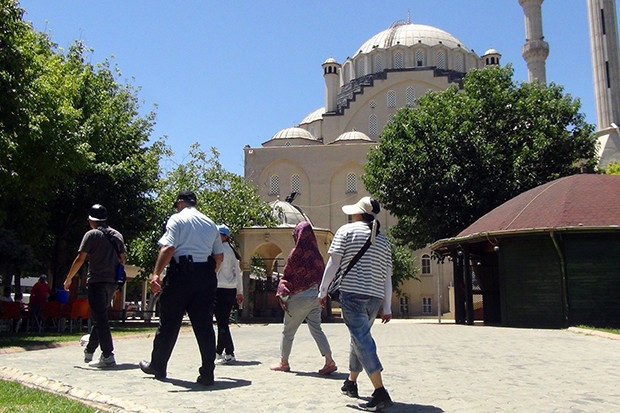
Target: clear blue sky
{"type": "Point", "coordinates": [230, 73]}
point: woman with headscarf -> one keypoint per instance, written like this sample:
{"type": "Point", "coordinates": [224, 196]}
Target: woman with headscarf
{"type": "Point", "coordinates": [297, 292]}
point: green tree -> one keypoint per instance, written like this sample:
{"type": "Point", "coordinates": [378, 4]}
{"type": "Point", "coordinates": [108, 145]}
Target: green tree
{"type": "Point", "coordinates": [458, 154]}
{"type": "Point", "coordinates": [613, 168]}
{"type": "Point", "coordinates": [403, 266]}
{"type": "Point", "coordinates": [223, 196]}
{"type": "Point", "coordinates": [70, 135]}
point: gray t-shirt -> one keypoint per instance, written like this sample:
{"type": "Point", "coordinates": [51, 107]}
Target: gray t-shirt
{"type": "Point", "coordinates": [102, 257]}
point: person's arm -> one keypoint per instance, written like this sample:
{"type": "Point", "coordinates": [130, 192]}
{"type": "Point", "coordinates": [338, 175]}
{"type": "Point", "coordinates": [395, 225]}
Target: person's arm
{"type": "Point", "coordinates": [77, 264]}
{"type": "Point", "coordinates": [333, 263]}
{"type": "Point", "coordinates": [163, 258]}
{"type": "Point", "coordinates": [218, 261]}
{"type": "Point", "coordinates": [239, 276]}
{"type": "Point", "coordinates": [386, 313]}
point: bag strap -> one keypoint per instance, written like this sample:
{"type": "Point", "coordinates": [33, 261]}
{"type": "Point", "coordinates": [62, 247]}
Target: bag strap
{"type": "Point", "coordinates": [357, 257]}
{"type": "Point", "coordinates": [109, 237]}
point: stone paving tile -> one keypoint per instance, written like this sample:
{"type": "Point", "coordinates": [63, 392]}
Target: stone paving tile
{"type": "Point", "coordinates": [428, 368]}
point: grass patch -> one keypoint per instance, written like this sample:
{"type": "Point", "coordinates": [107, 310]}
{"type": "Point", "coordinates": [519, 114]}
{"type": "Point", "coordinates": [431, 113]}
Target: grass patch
{"type": "Point", "coordinates": [15, 397]}
{"type": "Point", "coordinates": [606, 330]}
{"type": "Point", "coordinates": [49, 339]}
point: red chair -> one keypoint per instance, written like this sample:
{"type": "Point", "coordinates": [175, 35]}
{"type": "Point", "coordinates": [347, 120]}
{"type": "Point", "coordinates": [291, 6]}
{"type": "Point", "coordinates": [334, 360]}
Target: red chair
{"type": "Point", "coordinates": [11, 312]}
{"type": "Point", "coordinates": [51, 311]}
{"type": "Point", "coordinates": [79, 311]}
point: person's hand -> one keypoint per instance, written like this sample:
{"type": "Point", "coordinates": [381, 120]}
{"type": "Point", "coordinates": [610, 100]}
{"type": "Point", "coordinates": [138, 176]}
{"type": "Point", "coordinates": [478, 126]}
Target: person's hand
{"type": "Point", "coordinates": [385, 318]}
{"type": "Point", "coordinates": [67, 284]}
{"type": "Point", "coordinates": [323, 302]}
{"type": "Point", "coordinates": [239, 299]}
{"type": "Point", "coordinates": [155, 285]}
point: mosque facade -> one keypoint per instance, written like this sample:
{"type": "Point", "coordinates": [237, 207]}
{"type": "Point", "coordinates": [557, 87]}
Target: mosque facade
{"type": "Point", "coordinates": [321, 160]}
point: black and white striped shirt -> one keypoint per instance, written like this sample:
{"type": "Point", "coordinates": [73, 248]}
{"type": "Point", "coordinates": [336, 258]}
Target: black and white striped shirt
{"type": "Point", "coordinates": [367, 277]}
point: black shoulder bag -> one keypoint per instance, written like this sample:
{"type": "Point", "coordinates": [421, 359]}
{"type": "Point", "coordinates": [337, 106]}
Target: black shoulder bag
{"type": "Point", "coordinates": [121, 275]}
{"type": "Point", "coordinates": [334, 287]}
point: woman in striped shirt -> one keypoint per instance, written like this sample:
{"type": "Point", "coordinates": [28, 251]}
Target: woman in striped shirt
{"type": "Point", "coordinates": [365, 291]}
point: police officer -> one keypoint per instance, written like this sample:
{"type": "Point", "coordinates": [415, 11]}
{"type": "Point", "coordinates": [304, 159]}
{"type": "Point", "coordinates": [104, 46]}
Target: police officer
{"type": "Point", "coordinates": [192, 249]}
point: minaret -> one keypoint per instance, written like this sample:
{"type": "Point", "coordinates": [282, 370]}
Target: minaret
{"type": "Point", "coordinates": [605, 66]}
{"type": "Point", "coordinates": [536, 49]}
{"type": "Point", "coordinates": [331, 73]}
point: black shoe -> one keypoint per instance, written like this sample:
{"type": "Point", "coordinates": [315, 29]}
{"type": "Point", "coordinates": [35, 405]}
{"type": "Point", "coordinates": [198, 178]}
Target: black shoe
{"type": "Point", "coordinates": [205, 381]}
{"type": "Point", "coordinates": [380, 400]}
{"type": "Point", "coordinates": [349, 388]}
{"type": "Point", "coordinates": [145, 366]}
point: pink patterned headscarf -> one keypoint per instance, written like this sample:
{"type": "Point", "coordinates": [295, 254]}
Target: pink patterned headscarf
{"type": "Point", "coordinates": [304, 266]}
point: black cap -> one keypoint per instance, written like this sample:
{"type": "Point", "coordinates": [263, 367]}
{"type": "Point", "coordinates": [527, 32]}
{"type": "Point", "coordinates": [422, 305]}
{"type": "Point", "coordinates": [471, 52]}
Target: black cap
{"type": "Point", "coordinates": [186, 196]}
{"type": "Point", "coordinates": [98, 213]}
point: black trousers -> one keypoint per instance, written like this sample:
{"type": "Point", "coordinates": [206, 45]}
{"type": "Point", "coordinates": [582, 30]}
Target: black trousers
{"type": "Point", "coordinates": [224, 301]}
{"type": "Point", "coordinates": [100, 297]}
{"type": "Point", "coordinates": [192, 292]}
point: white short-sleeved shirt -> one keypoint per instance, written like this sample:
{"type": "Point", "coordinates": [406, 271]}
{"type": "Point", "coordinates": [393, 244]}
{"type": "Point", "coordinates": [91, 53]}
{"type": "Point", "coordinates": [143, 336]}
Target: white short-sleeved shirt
{"type": "Point", "coordinates": [191, 232]}
{"type": "Point", "coordinates": [367, 277]}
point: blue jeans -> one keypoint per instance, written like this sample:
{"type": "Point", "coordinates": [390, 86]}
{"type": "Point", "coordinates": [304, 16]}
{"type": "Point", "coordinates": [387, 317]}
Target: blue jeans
{"type": "Point", "coordinates": [359, 313]}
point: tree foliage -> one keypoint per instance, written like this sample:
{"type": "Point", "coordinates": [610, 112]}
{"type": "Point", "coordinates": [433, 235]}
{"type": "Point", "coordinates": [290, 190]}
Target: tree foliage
{"type": "Point", "coordinates": [225, 197]}
{"type": "Point", "coordinates": [613, 168]}
{"type": "Point", "coordinates": [458, 154]}
{"type": "Point", "coordinates": [71, 135]}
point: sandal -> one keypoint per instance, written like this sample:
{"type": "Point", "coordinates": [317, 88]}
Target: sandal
{"type": "Point", "coordinates": [280, 367]}
{"type": "Point", "coordinates": [328, 369]}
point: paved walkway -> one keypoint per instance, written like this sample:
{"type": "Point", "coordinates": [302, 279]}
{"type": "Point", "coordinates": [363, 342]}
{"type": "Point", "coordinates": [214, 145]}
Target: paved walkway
{"type": "Point", "coordinates": [429, 368]}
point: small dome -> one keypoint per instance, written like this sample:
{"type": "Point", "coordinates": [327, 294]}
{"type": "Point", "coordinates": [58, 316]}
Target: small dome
{"type": "Point", "coordinates": [311, 117]}
{"type": "Point", "coordinates": [293, 133]}
{"type": "Point", "coordinates": [353, 136]}
{"type": "Point", "coordinates": [409, 35]}
{"type": "Point", "coordinates": [287, 214]}
{"type": "Point", "coordinates": [491, 51]}
{"type": "Point", "coordinates": [330, 60]}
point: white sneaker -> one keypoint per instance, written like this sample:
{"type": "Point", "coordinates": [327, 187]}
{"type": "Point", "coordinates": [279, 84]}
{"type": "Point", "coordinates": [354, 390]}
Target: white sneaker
{"type": "Point", "coordinates": [220, 359]}
{"type": "Point", "coordinates": [88, 357]}
{"type": "Point", "coordinates": [229, 358]}
{"type": "Point", "coordinates": [104, 362]}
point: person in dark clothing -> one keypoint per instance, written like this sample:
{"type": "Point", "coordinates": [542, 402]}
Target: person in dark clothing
{"type": "Point", "coordinates": [105, 248]}
{"type": "Point", "coordinates": [192, 249]}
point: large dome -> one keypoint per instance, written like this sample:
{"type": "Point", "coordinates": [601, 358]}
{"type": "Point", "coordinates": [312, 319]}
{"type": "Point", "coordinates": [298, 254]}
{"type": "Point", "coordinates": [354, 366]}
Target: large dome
{"type": "Point", "coordinates": [407, 34]}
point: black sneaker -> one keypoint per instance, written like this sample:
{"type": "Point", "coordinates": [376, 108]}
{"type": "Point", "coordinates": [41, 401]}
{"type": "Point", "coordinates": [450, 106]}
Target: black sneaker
{"type": "Point", "coordinates": [349, 388]}
{"type": "Point", "coordinates": [380, 400]}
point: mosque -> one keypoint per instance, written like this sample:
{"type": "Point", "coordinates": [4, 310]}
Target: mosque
{"type": "Point", "coordinates": [318, 163]}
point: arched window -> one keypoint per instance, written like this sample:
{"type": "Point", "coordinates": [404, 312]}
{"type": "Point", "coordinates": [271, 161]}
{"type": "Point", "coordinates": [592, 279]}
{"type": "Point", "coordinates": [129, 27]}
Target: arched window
{"type": "Point", "coordinates": [361, 67]}
{"type": "Point", "coordinates": [378, 63]}
{"type": "Point", "coordinates": [419, 58]}
{"type": "Point", "coordinates": [440, 59]}
{"type": "Point", "coordinates": [410, 96]}
{"type": "Point", "coordinates": [351, 183]}
{"type": "Point", "coordinates": [391, 99]}
{"type": "Point", "coordinates": [373, 126]}
{"type": "Point", "coordinates": [347, 73]}
{"type": "Point", "coordinates": [274, 185]}
{"type": "Point", "coordinates": [459, 62]}
{"type": "Point", "coordinates": [399, 60]}
{"type": "Point", "coordinates": [426, 264]}
{"type": "Point", "coordinates": [295, 183]}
